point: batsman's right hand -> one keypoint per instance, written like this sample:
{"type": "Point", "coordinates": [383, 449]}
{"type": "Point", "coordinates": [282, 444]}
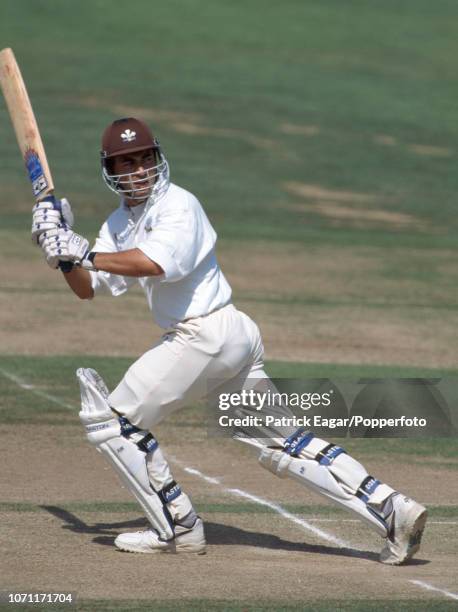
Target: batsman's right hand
{"type": "Point", "coordinates": [50, 214]}
{"type": "Point", "coordinates": [63, 245]}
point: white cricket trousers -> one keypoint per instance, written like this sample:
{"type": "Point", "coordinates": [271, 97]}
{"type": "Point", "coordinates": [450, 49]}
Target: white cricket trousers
{"type": "Point", "coordinates": [191, 361]}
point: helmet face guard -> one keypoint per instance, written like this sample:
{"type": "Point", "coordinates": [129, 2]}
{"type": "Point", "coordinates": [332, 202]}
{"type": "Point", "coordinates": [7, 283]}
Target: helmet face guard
{"type": "Point", "coordinates": [153, 182]}
{"type": "Point", "coordinates": [131, 135]}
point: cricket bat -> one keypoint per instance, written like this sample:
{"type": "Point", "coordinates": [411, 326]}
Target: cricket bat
{"type": "Point", "coordinates": [25, 125]}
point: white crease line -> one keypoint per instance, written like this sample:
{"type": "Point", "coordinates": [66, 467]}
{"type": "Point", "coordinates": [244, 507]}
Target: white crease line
{"type": "Point", "coordinates": [305, 524]}
{"type": "Point", "coordinates": [430, 587]}
{"type": "Point", "coordinates": [277, 508]}
{"type": "Point", "coordinates": [291, 517]}
{"type": "Point", "coordinates": [197, 473]}
{"type": "Point", "coordinates": [29, 387]}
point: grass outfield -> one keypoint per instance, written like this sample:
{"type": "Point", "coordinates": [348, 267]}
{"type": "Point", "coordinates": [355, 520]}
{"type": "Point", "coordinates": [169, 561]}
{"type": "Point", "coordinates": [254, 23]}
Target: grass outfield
{"type": "Point", "coordinates": [24, 377]}
{"type": "Point", "coordinates": [354, 97]}
{"type": "Point", "coordinates": [321, 140]}
{"type": "Point", "coordinates": [44, 390]}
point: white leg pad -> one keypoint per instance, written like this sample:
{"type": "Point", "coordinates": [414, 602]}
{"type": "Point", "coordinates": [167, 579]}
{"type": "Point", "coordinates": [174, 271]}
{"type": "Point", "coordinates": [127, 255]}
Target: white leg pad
{"type": "Point", "coordinates": [349, 472]}
{"type": "Point", "coordinates": [104, 432]}
{"type": "Point", "coordinates": [339, 481]}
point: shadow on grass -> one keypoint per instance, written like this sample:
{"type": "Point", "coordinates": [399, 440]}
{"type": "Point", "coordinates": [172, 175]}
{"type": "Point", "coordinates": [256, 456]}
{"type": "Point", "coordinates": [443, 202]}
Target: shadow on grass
{"type": "Point", "coordinates": [75, 524]}
{"type": "Point", "coordinates": [216, 534]}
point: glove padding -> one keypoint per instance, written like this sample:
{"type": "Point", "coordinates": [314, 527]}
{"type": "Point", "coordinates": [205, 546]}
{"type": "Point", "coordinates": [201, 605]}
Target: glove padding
{"type": "Point", "coordinates": [65, 245]}
{"type": "Point", "coordinates": [50, 214]}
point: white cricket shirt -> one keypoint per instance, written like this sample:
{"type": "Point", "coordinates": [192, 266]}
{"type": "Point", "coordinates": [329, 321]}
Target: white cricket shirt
{"type": "Point", "coordinates": [176, 234]}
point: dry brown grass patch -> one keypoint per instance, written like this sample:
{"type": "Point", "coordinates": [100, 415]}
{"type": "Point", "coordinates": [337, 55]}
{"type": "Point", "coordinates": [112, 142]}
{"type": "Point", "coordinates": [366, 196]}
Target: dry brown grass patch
{"type": "Point", "coordinates": [299, 130]}
{"type": "Point", "coordinates": [350, 208]}
{"type": "Point", "coordinates": [430, 151]}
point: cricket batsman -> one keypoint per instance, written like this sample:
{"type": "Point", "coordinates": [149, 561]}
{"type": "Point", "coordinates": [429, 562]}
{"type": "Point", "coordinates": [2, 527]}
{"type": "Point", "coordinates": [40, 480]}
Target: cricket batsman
{"type": "Point", "coordinates": [160, 237]}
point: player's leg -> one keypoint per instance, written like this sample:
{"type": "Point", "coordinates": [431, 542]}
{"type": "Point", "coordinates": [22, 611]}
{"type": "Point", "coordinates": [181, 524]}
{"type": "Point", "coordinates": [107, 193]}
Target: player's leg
{"type": "Point", "coordinates": [327, 469]}
{"type": "Point", "coordinates": [138, 460]}
{"type": "Point", "coordinates": [177, 371]}
{"type": "Point", "coordinates": [185, 366]}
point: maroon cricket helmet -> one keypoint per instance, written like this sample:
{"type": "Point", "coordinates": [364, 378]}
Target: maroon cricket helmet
{"type": "Point", "coordinates": [127, 135]}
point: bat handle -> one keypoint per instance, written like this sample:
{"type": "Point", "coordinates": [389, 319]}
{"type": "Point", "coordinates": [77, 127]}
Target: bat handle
{"type": "Point", "coordinates": [50, 197]}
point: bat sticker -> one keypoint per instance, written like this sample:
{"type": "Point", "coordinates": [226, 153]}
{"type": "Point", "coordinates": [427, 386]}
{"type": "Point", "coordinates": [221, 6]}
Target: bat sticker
{"type": "Point", "coordinates": [35, 172]}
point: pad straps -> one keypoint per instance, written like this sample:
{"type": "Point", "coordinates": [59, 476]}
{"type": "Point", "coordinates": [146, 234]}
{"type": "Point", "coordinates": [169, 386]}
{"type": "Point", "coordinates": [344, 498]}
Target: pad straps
{"type": "Point", "coordinates": [170, 492]}
{"type": "Point", "coordinates": [148, 444]}
{"type": "Point", "coordinates": [301, 438]}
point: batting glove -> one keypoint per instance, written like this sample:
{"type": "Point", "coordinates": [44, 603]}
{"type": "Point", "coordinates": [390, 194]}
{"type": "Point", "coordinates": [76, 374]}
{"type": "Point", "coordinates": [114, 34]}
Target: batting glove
{"type": "Point", "coordinates": [64, 248]}
{"type": "Point", "coordinates": [50, 214]}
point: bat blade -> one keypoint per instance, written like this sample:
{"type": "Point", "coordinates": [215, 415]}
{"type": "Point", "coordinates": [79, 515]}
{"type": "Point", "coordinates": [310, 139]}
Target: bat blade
{"type": "Point", "coordinates": [25, 125]}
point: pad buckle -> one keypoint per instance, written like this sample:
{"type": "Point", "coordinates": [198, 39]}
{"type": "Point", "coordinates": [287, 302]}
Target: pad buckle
{"type": "Point", "coordinates": [297, 442]}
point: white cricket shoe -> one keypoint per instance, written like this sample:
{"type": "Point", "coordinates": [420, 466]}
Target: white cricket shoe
{"type": "Point", "coordinates": [408, 523]}
{"type": "Point", "coordinates": [186, 540]}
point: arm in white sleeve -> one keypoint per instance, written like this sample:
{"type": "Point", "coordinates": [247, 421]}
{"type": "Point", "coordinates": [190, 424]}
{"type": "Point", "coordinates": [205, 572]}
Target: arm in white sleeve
{"type": "Point", "coordinates": [180, 240]}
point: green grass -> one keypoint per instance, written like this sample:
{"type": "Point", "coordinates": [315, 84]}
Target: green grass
{"type": "Point", "coordinates": [203, 507]}
{"type": "Point", "coordinates": [55, 376]}
{"type": "Point", "coordinates": [352, 69]}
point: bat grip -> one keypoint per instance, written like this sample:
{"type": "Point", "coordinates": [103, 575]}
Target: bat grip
{"type": "Point", "coordinates": [55, 202]}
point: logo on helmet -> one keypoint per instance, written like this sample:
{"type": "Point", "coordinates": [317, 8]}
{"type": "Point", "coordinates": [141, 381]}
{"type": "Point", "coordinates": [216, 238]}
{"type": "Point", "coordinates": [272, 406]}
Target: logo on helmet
{"type": "Point", "coordinates": [128, 135]}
